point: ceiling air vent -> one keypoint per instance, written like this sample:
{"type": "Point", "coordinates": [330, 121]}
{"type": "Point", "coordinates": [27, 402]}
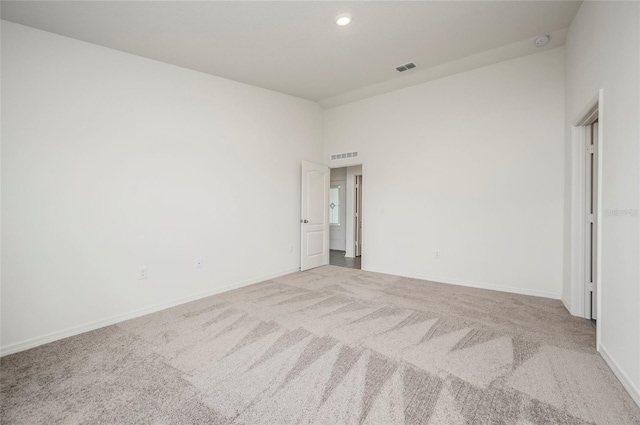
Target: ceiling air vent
{"type": "Point", "coordinates": [337, 156]}
{"type": "Point", "coordinates": [405, 67]}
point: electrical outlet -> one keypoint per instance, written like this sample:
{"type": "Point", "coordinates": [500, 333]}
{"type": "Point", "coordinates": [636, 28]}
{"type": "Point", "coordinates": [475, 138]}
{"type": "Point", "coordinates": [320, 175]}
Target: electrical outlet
{"type": "Point", "coordinates": [142, 272]}
{"type": "Point", "coordinates": [198, 262]}
{"type": "Point", "coordinates": [436, 254]}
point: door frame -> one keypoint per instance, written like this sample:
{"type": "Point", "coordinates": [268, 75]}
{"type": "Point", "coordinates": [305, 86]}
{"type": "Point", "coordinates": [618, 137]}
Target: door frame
{"type": "Point", "coordinates": [363, 194]}
{"type": "Point", "coordinates": [357, 216]}
{"type": "Point", "coordinates": [579, 304]}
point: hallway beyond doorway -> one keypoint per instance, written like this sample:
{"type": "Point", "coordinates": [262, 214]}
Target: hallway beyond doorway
{"type": "Point", "coordinates": [337, 258]}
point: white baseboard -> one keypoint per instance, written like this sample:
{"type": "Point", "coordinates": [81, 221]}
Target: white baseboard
{"type": "Point", "coordinates": [566, 305]}
{"type": "Point", "coordinates": [479, 285]}
{"type": "Point", "coordinates": [75, 330]}
{"type": "Point", "coordinates": [622, 377]}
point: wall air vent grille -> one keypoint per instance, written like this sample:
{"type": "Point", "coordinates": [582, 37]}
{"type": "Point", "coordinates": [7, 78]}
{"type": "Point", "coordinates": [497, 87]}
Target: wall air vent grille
{"type": "Point", "coordinates": [406, 67]}
{"type": "Point", "coordinates": [337, 156]}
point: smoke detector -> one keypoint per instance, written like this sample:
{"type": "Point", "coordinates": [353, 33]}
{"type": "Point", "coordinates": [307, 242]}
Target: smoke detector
{"type": "Point", "coordinates": [541, 41]}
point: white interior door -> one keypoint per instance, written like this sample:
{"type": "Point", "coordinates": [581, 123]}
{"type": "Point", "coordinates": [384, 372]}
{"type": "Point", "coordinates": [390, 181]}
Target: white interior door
{"type": "Point", "coordinates": [591, 233]}
{"type": "Point", "coordinates": [315, 216]}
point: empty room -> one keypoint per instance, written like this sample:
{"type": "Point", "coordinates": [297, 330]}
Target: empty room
{"type": "Point", "coordinates": [320, 212]}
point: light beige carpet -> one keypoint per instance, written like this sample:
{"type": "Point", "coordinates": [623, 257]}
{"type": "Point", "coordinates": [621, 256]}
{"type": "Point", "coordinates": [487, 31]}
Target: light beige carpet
{"type": "Point", "coordinates": [328, 346]}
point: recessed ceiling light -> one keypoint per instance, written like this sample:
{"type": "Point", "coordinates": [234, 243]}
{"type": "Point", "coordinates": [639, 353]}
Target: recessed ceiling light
{"type": "Point", "coordinates": [343, 19]}
{"type": "Point", "coordinates": [543, 40]}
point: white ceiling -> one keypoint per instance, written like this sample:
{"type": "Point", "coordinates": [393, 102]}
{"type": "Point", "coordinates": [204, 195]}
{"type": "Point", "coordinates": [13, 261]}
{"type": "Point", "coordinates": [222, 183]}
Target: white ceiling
{"type": "Point", "coordinates": [295, 47]}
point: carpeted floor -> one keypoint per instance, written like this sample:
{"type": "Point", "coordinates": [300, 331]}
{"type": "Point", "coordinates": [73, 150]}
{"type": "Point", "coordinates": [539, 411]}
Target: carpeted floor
{"type": "Point", "coordinates": [328, 346]}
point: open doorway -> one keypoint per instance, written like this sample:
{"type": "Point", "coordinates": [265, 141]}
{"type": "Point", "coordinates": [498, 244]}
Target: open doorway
{"type": "Point", "coordinates": [589, 141]}
{"type": "Point", "coordinates": [345, 217]}
{"type": "Point", "coordinates": [586, 213]}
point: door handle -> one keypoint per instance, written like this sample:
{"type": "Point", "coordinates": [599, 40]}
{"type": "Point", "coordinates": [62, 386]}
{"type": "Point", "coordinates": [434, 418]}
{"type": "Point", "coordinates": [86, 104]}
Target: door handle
{"type": "Point", "coordinates": [304, 221]}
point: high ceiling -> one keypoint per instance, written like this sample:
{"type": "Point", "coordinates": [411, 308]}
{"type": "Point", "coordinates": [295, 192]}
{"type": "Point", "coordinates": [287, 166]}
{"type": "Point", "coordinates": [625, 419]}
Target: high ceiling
{"type": "Point", "coordinates": [296, 47]}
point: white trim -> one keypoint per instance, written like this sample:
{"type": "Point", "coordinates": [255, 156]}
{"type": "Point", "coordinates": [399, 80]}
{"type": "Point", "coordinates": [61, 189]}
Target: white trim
{"type": "Point", "coordinates": [76, 330]}
{"type": "Point", "coordinates": [478, 285]}
{"type": "Point", "coordinates": [600, 215]}
{"type": "Point", "coordinates": [592, 110]}
{"type": "Point", "coordinates": [633, 391]}
{"type": "Point", "coordinates": [363, 198]}
{"type": "Point", "coordinates": [565, 303]}
{"type": "Point", "coordinates": [588, 114]}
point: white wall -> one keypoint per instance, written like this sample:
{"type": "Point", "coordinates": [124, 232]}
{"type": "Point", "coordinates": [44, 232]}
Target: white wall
{"type": "Point", "coordinates": [338, 233]}
{"type": "Point", "coordinates": [111, 161]}
{"type": "Point", "coordinates": [470, 165]}
{"type": "Point", "coordinates": [603, 52]}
